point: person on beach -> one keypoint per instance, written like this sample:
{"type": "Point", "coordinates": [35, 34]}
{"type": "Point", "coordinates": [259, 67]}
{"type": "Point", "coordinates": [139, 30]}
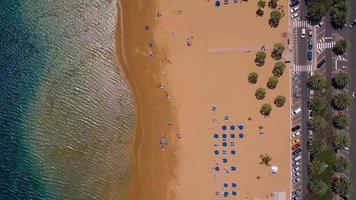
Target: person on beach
{"type": "Point", "coordinates": [163, 142]}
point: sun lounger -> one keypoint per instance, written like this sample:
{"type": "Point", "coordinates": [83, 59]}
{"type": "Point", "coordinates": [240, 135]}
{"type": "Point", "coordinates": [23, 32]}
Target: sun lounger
{"type": "Point", "coordinates": [226, 2]}
{"type": "Point", "coordinates": [224, 152]}
{"type": "Point", "coordinates": [227, 117]}
{"type": "Point", "coordinates": [216, 145]}
{"type": "Point", "coordinates": [232, 144]}
{"type": "Point", "coordinates": [217, 193]}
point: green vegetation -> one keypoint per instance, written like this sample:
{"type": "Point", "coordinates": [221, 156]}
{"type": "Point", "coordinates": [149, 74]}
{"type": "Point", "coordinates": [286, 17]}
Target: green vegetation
{"type": "Point", "coordinates": [317, 187]}
{"type": "Point", "coordinates": [340, 47]}
{"type": "Point", "coordinates": [317, 82]}
{"type": "Point", "coordinates": [272, 82]}
{"type": "Point", "coordinates": [341, 164]}
{"type": "Point", "coordinates": [276, 16]}
{"type": "Point", "coordinates": [316, 146]}
{"type": "Point", "coordinates": [279, 101]}
{"type": "Point", "coordinates": [278, 69]}
{"type": "Point", "coordinates": [317, 167]}
{"type": "Point", "coordinates": [260, 93]}
{"type": "Point", "coordinates": [341, 141]}
{"type": "Point", "coordinates": [317, 124]}
{"type": "Point", "coordinates": [341, 121]}
{"type": "Point", "coordinates": [253, 77]}
{"type": "Point", "coordinates": [339, 13]}
{"type": "Point", "coordinates": [272, 4]}
{"type": "Point", "coordinates": [261, 4]}
{"type": "Point", "coordinates": [316, 10]}
{"type": "Point", "coordinates": [266, 109]}
{"type": "Point", "coordinates": [317, 104]}
{"type": "Point", "coordinates": [341, 101]}
{"type": "Point", "coordinates": [342, 186]}
{"type": "Point", "coordinates": [265, 160]}
{"type": "Point", "coordinates": [260, 58]}
{"type": "Point", "coordinates": [277, 51]}
{"type": "Point", "coordinates": [341, 80]}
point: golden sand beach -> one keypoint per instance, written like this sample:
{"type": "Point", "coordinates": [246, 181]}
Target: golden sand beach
{"type": "Point", "coordinates": [188, 62]}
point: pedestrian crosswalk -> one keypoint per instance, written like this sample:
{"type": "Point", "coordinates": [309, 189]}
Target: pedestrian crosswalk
{"type": "Point", "coordinates": [324, 45]}
{"type": "Point", "coordinates": [302, 68]}
{"type": "Point", "coordinates": [298, 24]}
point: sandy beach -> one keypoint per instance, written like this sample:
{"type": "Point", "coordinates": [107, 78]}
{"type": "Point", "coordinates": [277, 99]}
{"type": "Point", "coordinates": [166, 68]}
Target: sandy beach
{"type": "Point", "coordinates": [187, 63]}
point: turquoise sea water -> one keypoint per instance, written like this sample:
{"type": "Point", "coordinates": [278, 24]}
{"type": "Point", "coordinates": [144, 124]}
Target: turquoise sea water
{"type": "Point", "coordinates": [66, 114]}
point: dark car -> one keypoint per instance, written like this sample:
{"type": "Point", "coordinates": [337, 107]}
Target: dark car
{"type": "Point", "coordinates": [295, 128]}
{"type": "Point", "coordinates": [294, 3]}
{"type": "Point", "coordinates": [296, 146]}
{"type": "Point", "coordinates": [321, 63]}
{"type": "Point", "coordinates": [310, 45]}
{"type": "Point", "coordinates": [310, 55]}
{"type": "Point", "coordinates": [297, 152]}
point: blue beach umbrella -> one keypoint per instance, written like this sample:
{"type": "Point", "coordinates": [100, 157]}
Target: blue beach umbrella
{"type": "Point", "coordinates": [226, 194]}
{"type": "Point", "coordinates": [241, 135]}
{"type": "Point", "coordinates": [224, 127]}
{"type": "Point", "coordinates": [217, 3]}
{"type": "Point", "coordinates": [232, 127]}
{"type": "Point", "coordinates": [232, 135]}
{"type": "Point", "coordinates": [224, 160]}
{"type": "Point", "coordinates": [216, 136]}
{"type": "Point", "coordinates": [234, 185]}
{"type": "Point", "coordinates": [224, 135]}
{"type": "Point", "coordinates": [234, 193]}
{"type": "Point", "coordinates": [240, 126]}
{"type": "Point", "coordinates": [233, 152]}
{"type": "Point", "coordinates": [226, 185]}
{"type": "Point", "coordinates": [216, 152]}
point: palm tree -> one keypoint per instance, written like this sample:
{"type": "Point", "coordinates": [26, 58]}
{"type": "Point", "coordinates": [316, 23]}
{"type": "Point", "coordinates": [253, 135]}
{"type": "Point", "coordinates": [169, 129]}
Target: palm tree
{"type": "Point", "coordinates": [316, 146]}
{"type": "Point", "coordinates": [342, 186]}
{"type": "Point", "coordinates": [260, 93]}
{"type": "Point", "coordinates": [272, 82]}
{"type": "Point", "coordinates": [317, 167]}
{"type": "Point", "coordinates": [253, 77]}
{"type": "Point", "coordinates": [278, 69]}
{"type": "Point", "coordinates": [341, 80]}
{"type": "Point", "coordinates": [272, 4]}
{"type": "Point", "coordinates": [341, 141]}
{"type": "Point", "coordinates": [317, 82]}
{"type": "Point", "coordinates": [277, 51]}
{"type": "Point", "coordinates": [261, 4]}
{"type": "Point", "coordinates": [265, 159]}
{"type": "Point", "coordinates": [279, 101]}
{"type": "Point", "coordinates": [317, 104]}
{"type": "Point", "coordinates": [341, 101]}
{"type": "Point", "coordinates": [317, 124]}
{"type": "Point", "coordinates": [275, 17]}
{"type": "Point", "coordinates": [266, 109]}
{"type": "Point", "coordinates": [340, 121]}
{"type": "Point", "coordinates": [341, 164]}
{"type": "Point", "coordinates": [317, 187]}
{"type": "Point", "coordinates": [260, 58]}
{"type": "Point", "coordinates": [340, 47]}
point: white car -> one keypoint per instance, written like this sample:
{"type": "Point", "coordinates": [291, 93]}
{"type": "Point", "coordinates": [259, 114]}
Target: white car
{"type": "Point", "coordinates": [296, 163]}
{"type": "Point", "coordinates": [319, 25]}
{"type": "Point", "coordinates": [296, 134]}
{"type": "Point", "coordinates": [296, 169]}
{"type": "Point", "coordinates": [296, 180]}
{"type": "Point", "coordinates": [296, 175]}
{"type": "Point", "coordinates": [311, 134]}
{"type": "Point", "coordinates": [303, 32]}
{"type": "Point", "coordinates": [294, 15]}
{"type": "Point", "coordinates": [295, 9]}
{"type": "Point", "coordinates": [346, 149]}
{"type": "Point", "coordinates": [296, 111]}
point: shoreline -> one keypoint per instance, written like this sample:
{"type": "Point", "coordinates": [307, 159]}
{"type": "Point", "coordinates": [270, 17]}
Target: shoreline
{"type": "Point", "coordinates": [143, 127]}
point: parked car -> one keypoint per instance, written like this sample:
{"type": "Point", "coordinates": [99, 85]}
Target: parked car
{"type": "Point", "coordinates": [352, 24]}
{"type": "Point", "coordinates": [295, 9]}
{"type": "Point", "coordinates": [297, 191]}
{"type": "Point", "coordinates": [296, 169]}
{"type": "Point", "coordinates": [297, 152]}
{"type": "Point", "coordinates": [321, 63]}
{"type": "Point", "coordinates": [310, 55]}
{"type": "Point", "coordinates": [296, 134]}
{"type": "Point", "coordinates": [310, 33]}
{"type": "Point", "coordinates": [296, 146]}
{"type": "Point", "coordinates": [319, 25]}
{"type": "Point", "coordinates": [296, 163]}
{"type": "Point", "coordinates": [294, 3]}
{"type": "Point", "coordinates": [310, 45]}
{"type": "Point", "coordinates": [311, 134]}
{"type": "Point", "coordinates": [346, 149]}
{"type": "Point", "coordinates": [297, 197]}
{"type": "Point", "coordinates": [296, 111]}
{"type": "Point", "coordinates": [297, 180]}
{"type": "Point", "coordinates": [303, 32]}
{"type": "Point", "coordinates": [297, 158]}
{"type": "Point", "coordinates": [296, 175]}
{"type": "Point", "coordinates": [296, 141]}
{"type": "Point", "coordinates": [294, 15]}
{"type": "Point", "coordinates": [295, 128]}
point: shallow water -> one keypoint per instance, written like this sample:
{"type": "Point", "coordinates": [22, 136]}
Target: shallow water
{"type": "Point", "coordinates": [66, 114]}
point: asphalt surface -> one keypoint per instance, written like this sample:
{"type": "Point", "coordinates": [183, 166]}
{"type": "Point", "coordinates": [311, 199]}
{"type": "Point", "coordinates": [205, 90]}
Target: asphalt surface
{"type": "Point", "coordinates": [352, 151]}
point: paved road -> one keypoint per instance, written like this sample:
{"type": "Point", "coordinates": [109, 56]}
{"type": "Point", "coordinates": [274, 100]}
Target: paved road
{"type": "Point", "coordinates": [353, 110]}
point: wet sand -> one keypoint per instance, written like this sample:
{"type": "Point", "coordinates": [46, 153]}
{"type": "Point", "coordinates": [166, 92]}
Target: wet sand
{"type": "Point", "coordinates": [198, 80]}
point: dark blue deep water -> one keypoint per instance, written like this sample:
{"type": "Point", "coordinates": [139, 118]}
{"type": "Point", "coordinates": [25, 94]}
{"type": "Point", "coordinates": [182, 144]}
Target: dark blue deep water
{"type": "Point", "coordinates": [66, 114]}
